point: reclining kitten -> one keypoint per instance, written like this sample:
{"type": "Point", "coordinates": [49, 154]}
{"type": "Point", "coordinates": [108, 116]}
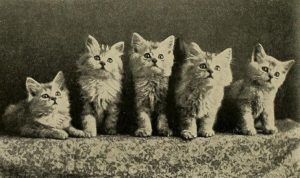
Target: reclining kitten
{"type": "Point", "coordinates": [151, 65]}
{"type": "Point", "coordinates": [254, 95]}
{"type": "Point", "coordinates": [45, 113]}
{"type": "Point", "coordinates": [200, 91]}
{"type": "Point", "coordinates": [101, 72]}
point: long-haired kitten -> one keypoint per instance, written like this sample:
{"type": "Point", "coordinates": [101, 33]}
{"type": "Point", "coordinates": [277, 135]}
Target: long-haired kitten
{"type": "Point", "coordinates": [200, 91]}
{"type": "Point", "coordinates": [45, 112]}
{"type": "Point", "coordinates": [151, 65]}
{"type": "Point", "coordinates": [101, 72]}
{"type": "Point", "coordinates": [254, 95]}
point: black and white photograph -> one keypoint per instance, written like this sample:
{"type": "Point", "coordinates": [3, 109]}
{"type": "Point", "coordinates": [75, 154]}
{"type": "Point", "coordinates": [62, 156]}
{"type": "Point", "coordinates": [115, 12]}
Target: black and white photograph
{"type": "Point", "coordinates": [150, 88]}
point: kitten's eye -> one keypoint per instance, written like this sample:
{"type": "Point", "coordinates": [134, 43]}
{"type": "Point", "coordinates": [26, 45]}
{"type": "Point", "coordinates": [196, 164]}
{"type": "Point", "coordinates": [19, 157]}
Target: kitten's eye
{"type": "Point", "coordinates": [45, 96]}
{"type": "Point", "coordinates": [277, 74]}
{"type": "Point", "coordinates": [97, 58]}
{"type": "Point", "coordinates": [218, 68]}
{"type": "Point", "coordinates": [147, 55]}
{"type": "Point", "coordinates": [203, 66]}
{"type": "Point", "coordinates": [57, 93]}
{"type": "Point", "coordinates": [266, 69]}
{"type": "Point", "coordinates": [161, 56]}
{"type": "Point", "coordinates": [110, 60]}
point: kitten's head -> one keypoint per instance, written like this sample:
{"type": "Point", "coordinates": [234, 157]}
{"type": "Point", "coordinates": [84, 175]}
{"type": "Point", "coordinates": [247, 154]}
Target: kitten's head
{"type": "Point", "coordinates": [149, 57]}
{"type": "Point", "coordinates": [48, 96]}
{"type": "Point", "coordinates": [102, 60]}
{"type": "Point", "coordinates": [266, 70]}
{"type": "Point", "coordinates": [208, 69]}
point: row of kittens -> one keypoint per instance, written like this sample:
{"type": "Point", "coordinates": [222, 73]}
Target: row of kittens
{"type": "Point", "coordinates": [199, 92]}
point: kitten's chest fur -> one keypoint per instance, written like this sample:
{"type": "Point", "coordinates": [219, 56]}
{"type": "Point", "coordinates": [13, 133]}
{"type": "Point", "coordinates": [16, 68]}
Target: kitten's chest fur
{"type": "Point", "coordinates": [202, 102]}
{"type": "Point", "coordinates": [257, 97]}
{"type": "Point", "coordinates": [55, 119]}
{"type": "Point", "coordinates": [100, 92]}
{"type": "Point", "coordinates": [150, 91]}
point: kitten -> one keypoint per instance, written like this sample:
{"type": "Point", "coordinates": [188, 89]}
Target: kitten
{"type": "Point", "coordinates": [45, 113]}
{"type": "Point", "coordinates": [101, 72]}
{"type": "Point", "coordinates": [254, 95]}
{"type": "Point", "coordinates": [200, 91]}
{"type": "Point", "coordinates": [151, 65]}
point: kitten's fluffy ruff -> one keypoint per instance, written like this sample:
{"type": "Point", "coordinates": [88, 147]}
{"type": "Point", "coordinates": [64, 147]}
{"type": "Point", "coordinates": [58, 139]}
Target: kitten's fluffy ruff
{"type": "Point", "coordinates": [42, 117]}
{"type": "Point", "coordinates": [198, 96]}
{"type": "Point", "coordinates": [254, 96]}
{"type": "Point", "coordinates": [151, 76]}
{"type": "Point", "coordinates": [100, 85]}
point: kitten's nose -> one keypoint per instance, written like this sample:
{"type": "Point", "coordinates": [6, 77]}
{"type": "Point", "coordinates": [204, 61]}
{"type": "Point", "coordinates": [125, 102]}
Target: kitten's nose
{"type": "Point", "coordinates": [102, 63]}
{"type": "Point", "coordinates": [154, 60]}
{"type": "Point", "coordinates": [53, 99]}
{"type": "Point", "coordinates": [270, 76]}
{"type": "Point", "coordinates": [210, 71]}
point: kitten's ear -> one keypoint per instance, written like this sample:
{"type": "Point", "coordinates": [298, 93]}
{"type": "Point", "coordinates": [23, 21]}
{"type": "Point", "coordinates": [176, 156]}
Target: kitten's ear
{"type": "Point", "coordinates": [59, 80]}
{"type": "Point", "coordinates": [92, 44]}
{"type": "Point", "coordinates": [118, 47]}
{"type": "Point", "coordinates": [195, 50]}
{"type": "Point", "coordinates": [137, 41]}
{"type": "Point", "coordinates": [226, 54]}
{"type": "Point", "coordinates": [33, 87]}
{"type": "Point", "coordinates": [258, 53]}
{"type": "Point", "coordinates": [288, 65]}
{"type": "Point", "coordinates": [169, 43]}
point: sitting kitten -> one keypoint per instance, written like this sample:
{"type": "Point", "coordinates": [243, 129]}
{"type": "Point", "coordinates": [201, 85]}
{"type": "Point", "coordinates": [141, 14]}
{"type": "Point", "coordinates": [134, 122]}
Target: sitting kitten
{"type": "Point", "coordinates": [254, 96]}
{"type": "Point", "coordinates": [151, 65]}
{"type": "Point", "coordinates": [200, 91]}
{"type": "Point", "coordinates": [101, 72]}
{"type": "Point", "coordinates": [44, 114]}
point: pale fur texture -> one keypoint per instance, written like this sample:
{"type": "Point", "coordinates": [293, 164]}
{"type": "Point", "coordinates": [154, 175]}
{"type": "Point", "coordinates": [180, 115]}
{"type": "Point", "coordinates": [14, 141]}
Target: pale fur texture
{"type": "Point", "coordinates": [254, 95]}
{"type": "Point", "coordinates": [45, 113]}
{"type": "Point", "coordinates": [101, 72]}
{"type": "Point", "coordinates": [151, 65]}
{"type": "Point", "coordinates": [200, 91]}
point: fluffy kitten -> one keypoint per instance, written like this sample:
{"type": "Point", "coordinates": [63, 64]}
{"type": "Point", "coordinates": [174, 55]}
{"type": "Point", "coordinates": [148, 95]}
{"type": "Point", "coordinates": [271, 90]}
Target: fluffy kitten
{"type": "Point", "coordinates": [200, 91]}
{"type": "Point", "coordinates": [254, 96]}
{"type": "Point", "coordinates": [151, 65]}
{"type": "Point", "coordinates": [101, 72]}
{"type": "Point", "coordinates": [45, 113]}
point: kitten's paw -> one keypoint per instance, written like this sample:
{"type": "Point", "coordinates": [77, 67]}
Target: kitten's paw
{"type": "Point", "coordinates": [80, 134]}
{"type": "Point", "coordinates": [249, 131]}
{"type": "Point", "coordinates": [206, 133]}
{"type": "Point", "coordinates": [111, 131]}
{"type": "Point", "coordinates": [165, 132]}
{"type": "Point", "coordinates": [187, 135]}
{"type": "Point", "coordinates": [60, 134]}
{"type": "Point", "coordinates": [90, 134]}
{"type": "Point", "coordinates": [270, 130]}
{"type": "Point", "coordinates": [142, 132]}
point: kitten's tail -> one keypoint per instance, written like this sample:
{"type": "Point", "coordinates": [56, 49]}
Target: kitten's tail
{"type": "Point", "coordinates": [10, 116]}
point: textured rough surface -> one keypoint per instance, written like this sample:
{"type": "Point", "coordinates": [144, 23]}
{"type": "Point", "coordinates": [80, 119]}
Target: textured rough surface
{"type": "Point", "coordinates": [221, 156]}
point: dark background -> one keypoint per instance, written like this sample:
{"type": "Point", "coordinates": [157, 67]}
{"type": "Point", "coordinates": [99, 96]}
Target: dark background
{"type": "Point", "coordinates": [39, 38]}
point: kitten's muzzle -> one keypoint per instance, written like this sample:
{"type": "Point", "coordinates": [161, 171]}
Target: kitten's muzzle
{"type": "Point", "coordinates": [54, 100]}
{"type": "Point", "coordinates": [102, 64]}
{"type": "Point", "coordinates": [210, 72]}
{"type": "Point", "coordinates": [154, 61]}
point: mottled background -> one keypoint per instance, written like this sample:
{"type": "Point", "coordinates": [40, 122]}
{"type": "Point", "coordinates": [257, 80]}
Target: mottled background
{"type": "Point", "coordinates": [39, 38]}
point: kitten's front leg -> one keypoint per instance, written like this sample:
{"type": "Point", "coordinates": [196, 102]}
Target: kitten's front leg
{"type": "Point", "coordinates": [89, 122]}
{"type": "Point", "coordinates": [76, 132]}
{"type": "Point", "coordinates": [188, 127]}
{"type": "Point", "coordinates": [28, 131]}
{"type": "Point", "coordinates": [144, 123]}
{"type": "Point", "coordinates": [206, 125]}
{"type": "Point", "coordinates": [268, 120]}
{"type": "Point", "coordinates": [163, 125]}
{"type": "Point", "coordinates": [247, 121]}
{"type": "Point", "coordinates": [110, 125]}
